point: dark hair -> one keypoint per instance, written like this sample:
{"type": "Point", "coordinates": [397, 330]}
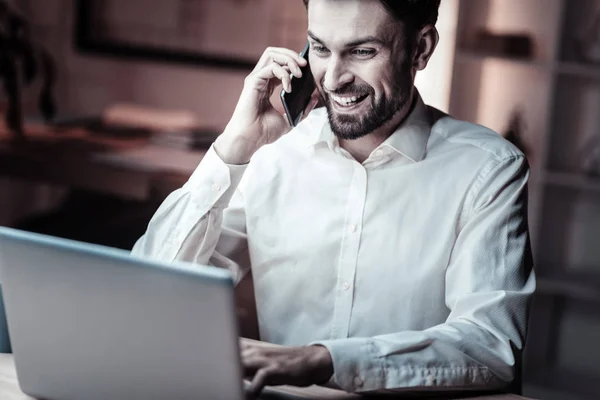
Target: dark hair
{"type": "Point", "coordinates": [415, 14]}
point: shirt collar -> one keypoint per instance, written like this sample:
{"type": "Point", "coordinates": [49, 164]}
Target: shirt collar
{"type": "Point", "coordinates": [409, 139]}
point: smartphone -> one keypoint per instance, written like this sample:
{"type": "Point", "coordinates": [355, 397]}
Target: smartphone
{"type": "Point", "coordinates": [297, 100]}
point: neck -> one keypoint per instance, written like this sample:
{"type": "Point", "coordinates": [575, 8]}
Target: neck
{"type": "Point", "coordinates": [362, 148]}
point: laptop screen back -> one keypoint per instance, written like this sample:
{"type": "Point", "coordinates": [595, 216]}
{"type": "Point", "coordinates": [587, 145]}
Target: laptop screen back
{"type": "Point", "coordinates": [89, 322]}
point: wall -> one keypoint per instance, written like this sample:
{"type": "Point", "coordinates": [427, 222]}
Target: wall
{"type": "Point", "coordinates": [87, 84]}
{"type": "Point", "coordinates": [90, 83]}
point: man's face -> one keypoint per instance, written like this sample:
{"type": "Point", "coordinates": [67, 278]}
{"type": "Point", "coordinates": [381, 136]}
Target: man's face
{"type": "Point", "coordinates": [360, 62]}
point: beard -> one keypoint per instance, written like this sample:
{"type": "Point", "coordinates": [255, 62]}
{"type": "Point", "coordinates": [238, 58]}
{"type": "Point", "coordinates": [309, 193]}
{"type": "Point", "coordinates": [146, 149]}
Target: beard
{"type": "Point", "coordinates": [379, 112]}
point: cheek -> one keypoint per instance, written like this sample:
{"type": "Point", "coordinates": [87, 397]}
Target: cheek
{"type": "Point", "coordinates": [318, 69]}
{"type": "Point", "coordinates": [378, 80]}
{"type": "Point", "coordinates": [389, 79]}
{"type": "Point", "coordinates": [377, 73]}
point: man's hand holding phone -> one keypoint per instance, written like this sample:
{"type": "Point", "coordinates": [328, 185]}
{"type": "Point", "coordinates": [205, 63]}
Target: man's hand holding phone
{"type": "Point", "coordinates": [255, 122]}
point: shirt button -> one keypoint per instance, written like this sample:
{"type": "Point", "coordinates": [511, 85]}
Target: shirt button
{"type": "Point", "coordinates": [353, 228]}
{"type": "Point", "coordinates": [216, 187]}
{"type": "Point", "coordinates": [358, 382]}
{"type": "Point", "coordinates": [346, 286]}
{"type": "Point", "coordinates": [378, 153]}
{"type": "Point", "coordinates": [430, 380]}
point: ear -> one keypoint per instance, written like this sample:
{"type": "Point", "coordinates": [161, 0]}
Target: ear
{"type": "Point", "coordinates": [427, 40]}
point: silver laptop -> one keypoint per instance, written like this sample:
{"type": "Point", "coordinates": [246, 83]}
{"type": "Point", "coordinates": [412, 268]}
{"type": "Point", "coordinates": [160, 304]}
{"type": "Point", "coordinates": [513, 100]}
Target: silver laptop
{"type": "Point", "coordinates": [91, 322]}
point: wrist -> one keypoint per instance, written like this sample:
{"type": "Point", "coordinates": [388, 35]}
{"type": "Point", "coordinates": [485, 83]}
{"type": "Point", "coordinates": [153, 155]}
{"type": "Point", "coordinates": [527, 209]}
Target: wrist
{"type": "Point", "coordinates": [234, 149]}
{"type": "Point", "coordinates": [323, 363]}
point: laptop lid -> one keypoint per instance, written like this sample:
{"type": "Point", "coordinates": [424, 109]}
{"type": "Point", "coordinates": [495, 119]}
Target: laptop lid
{"type": "Point", "coordinates": [91, 322]}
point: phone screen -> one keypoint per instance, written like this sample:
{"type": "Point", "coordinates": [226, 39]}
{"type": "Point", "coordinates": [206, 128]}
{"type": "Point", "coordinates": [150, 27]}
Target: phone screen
{"type": "Point", "coordinates": [297, 100]}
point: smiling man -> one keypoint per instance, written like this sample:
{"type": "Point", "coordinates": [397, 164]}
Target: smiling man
{"type": "Point", "coordinates": [388, 241]}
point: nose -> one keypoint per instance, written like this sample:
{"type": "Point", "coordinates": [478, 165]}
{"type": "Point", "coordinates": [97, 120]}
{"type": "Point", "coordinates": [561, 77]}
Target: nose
{"type": "Point", "coordinates": [336, 75]}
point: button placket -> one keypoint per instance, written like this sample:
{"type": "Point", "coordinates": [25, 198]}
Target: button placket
{"type": "Point", "coordinates": [349, 254]}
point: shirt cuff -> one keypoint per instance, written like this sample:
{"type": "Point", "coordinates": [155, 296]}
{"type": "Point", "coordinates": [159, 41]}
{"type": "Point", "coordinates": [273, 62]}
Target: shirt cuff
{"type": "Point", "coordinates": [359, 367]}
{"type": "Point", "coordinates": [356, 367]}
{"type": "Point", "coordinates": [214, 180]}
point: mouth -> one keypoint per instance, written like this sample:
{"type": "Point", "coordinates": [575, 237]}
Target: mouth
{"type": "Point", "coordinates": [348, 102]}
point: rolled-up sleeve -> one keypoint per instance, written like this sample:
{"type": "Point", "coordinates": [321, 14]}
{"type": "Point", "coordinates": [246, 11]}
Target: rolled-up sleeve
{"type": "Point", "coordinates": [489, 285]}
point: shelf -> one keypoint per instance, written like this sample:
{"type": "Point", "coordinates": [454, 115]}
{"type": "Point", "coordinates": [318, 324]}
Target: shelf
{"type": "Point", "coordinates": [576, 287]}
{"type": "Point", "coordinates": [559, 95]}
{"type": "Point", "coordinates": [466, 56]}
{"type": "Point", "coordinates": [572, 181]}
{"type": "Point", "coordinates": [579, 69]}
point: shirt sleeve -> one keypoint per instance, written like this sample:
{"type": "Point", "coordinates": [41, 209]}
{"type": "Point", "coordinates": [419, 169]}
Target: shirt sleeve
{"type": "Point", "coordinates": [489, 285]}
{"type": "Point", "coordinates": [203, 222]}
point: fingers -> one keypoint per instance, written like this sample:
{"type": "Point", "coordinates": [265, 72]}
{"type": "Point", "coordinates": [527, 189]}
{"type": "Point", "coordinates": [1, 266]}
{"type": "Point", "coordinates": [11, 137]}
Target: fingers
{"type": "Point", "coordinates": [253, 362]}
{"type": "Point", "coordinates": [278, 366]}
{"type": "Point", "coordinates": [252, 359]}
{"type": "Point", "coordinates": [283, 75]}
{"type": "Point", "coordinates": [260, 380]}
{"type": "Point", "coordinates": [267, 78]}
{"type": "Point", "coordinates": [276, 63]}
{"type": "Point", "coordinates": [256, 366]}
{"type": "Point", "coordinates": [290, 63]}
{"type": "Point", "coordinates": [281, 56]}
{"type": "Point", "coordinates": [274, 66]}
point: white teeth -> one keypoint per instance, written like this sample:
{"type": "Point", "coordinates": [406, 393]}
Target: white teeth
{"type": "Point", "coordinates": [345, 101]}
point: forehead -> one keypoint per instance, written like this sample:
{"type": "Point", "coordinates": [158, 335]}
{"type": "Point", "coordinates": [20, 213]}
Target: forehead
{"type": "Point", "coordinates": [342, 21]}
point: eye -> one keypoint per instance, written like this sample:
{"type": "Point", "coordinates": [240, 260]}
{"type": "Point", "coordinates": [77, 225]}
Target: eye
{"type": "Point", "coordinates": [317, 48]}
{"type": "Point", "coordinates": [363, 53]}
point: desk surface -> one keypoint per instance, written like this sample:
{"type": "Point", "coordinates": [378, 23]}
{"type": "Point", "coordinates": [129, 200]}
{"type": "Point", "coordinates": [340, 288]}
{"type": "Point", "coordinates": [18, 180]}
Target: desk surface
{"type": "Point", "coordinates": [9, 388]}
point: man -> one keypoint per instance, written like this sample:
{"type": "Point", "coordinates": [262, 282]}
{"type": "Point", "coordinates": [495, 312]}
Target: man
{"type": "Point", "coordinates": [388, 241]}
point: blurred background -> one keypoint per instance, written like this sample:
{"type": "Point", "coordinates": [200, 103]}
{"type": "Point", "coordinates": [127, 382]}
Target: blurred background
{"type": "Point", "coordinates": [108, 105]}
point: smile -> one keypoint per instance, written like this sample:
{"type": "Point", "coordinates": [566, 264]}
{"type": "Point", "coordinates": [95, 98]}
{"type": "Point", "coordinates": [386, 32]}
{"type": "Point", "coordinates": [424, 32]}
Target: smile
{"type": "Point", "coordinates": [348, 101]}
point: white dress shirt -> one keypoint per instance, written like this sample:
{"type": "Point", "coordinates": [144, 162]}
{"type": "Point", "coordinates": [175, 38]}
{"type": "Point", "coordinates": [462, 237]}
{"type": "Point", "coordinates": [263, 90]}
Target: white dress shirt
{"type": "Point", "coordinates": [413, 268]}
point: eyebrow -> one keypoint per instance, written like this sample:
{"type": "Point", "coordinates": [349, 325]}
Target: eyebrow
{"type": "Point", "coordinates": [358, 42]}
